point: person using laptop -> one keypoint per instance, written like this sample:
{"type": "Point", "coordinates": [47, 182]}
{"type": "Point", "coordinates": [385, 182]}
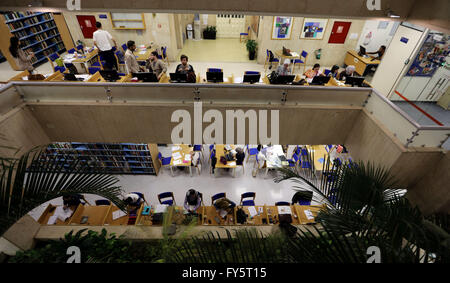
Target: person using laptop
{"type": "Point", "coordinates": [379, 53]}
{"type": "Point", "coordinates": [184, 67]}
{"type": "Point", "coordinates": [131, 63]}
{"type": "Point", "coordinates": [311, 73]}
{"type": "Point", "coordinates": [284, 70]}
{"type": "Point", "coordinates": [102, 40]}
{"type": "Point", "coordinates": [192, 201]}
{"type": "Point", "coordinates": [348, 72]}
{"type": "Point", "coordinates": [156, 66]}
{"type": "Point", "coordinates": [334, 71]}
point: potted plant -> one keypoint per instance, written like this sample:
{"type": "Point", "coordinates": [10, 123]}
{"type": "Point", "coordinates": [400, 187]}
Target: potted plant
{"type": "Point", "coordinates": [209, 32]}
{"type": "Point", "coordinates": [251, 47]}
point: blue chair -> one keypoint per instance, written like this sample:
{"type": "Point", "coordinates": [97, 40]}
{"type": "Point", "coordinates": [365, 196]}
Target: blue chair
{"type": "Point", "coordinates": [216, 197]}
{"type": "Point", "coordinates": [304, 152]}
{"type": "Point", "coordinates": [252, 73]}
{"type": "Point", "coordinates": [306, 165]}
{"type": "Point", "coordinates": [250, 202]}
{"type": "Point", "coordinates": [71, 51]}
{"type": "Point", "coordinates": [294, 161]}
{"type": "Point", "coordinates": [281, 203]}
{"type": "Point", "coordinates": [165, 162]}
{"type": "Point", "coordinates": [214, 70]}
{"type": "Point", "coordinates": [251, 152]}
{"type": "Point", "coordinates": [305, 200]}
{"type": "Point", "coordinates": [93, 70]}
{"type": "Point", "coordinates": [164, 55]}
{"type": "Point", "coordinates": [268, 59]}
{"type": "Point", "coordinates": [100, 63]}
{"type": "Point", "coordinates": [102, 202]}
{"type": "Point", "coordinates": [80, 47]}
{"type": "Point", "coordinates": [245, 34]}
{"type": "Point", "coordinates": [120, 59]}
{"type": "Point", "coordinates": [170, 201]}
{"type": "Point", "coordinates": [60, 69]}
{"type": "Point", "coordinates": [301, 61]}
{"type": "Point", "coordinates": [326, 72]}
{"type": "Point", "coordinates": [328, 147]}
{"type": "Point", "coordinates": [124, 47]}
{"type": "Point", "coordinates": [199, 148]}
{"type": "Point", "coordinates": [298, 150]}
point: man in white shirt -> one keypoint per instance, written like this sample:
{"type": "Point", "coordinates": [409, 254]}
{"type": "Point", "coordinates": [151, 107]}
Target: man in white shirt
{"type": "Point", "coordinates": [102, 39]}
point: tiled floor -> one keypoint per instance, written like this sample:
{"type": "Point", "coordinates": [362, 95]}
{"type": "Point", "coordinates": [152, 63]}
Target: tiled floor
{"type": "Point", "coordinates": [267, 191]}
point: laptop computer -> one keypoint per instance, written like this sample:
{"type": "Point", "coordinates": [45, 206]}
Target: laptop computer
{"type": "Point", "coordinates": [71, 77]}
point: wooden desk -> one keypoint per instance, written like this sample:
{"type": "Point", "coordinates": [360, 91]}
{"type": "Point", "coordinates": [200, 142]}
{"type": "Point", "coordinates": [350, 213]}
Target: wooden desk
{"type": "Point", "coordinates": [43, 219]}
{"type": "Point", "coordinates": [145, 56]}
{"type": "Point", "coordinates": [96, 214]}
{"type": "Point", "coordinates": [314, 210]}
{"type": "Point", "coordinates": [19, 76]}
{"type": "Point", "coordinates": [220, 151]}
{"type": "Point", "coordinates": [97, 78]}
{"type": "Point", "coordinates": [272, 159]}
{"type": "Point", "coordinates": [320, 155]}
{"type": "Point", "coordinates": [209, 214]}
{"type": "Point", "coordinates": [360, 63]}
{"type": "Point", "coordinates": [257, 219]}
{"type": "Point", "coordinates": [85, 59]}
{"type": "Point", "coordinates": [183, 151]}
{"type": "Point", "coordinates": [109, 217]}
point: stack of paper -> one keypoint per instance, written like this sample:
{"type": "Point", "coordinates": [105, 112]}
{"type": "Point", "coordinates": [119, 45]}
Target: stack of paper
{"type": "Point", "coordinates": [175, 148]}
{"type": "Point", "coordinates": [187, 157]}
{"type": "Point", "coordinates": [294, 54]}
{"type": "Point", "coordinates": [142, 52]}
{"type": "Point", "coordinates": [252, 211]}
{"type": "Point", "coordinates": [118, 214]}
{"type": "Point", "coordinates": [309, 214]}
{"type": "Point", "coordinates": [177, 162]}
{"type": "Point", "coordinates": [52, 220]}
{"type": "Point", "coordinates": [176, 155]}
{"type": "Point", "coordinates": [161, 208]}
{"type": "Point", "coordinates": [284, 210]}
{"type": "Point", "coordinates": [232, 163]}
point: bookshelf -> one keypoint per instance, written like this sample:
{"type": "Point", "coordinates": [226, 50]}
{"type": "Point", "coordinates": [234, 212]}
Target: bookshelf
{"type": "Point", "coordinates": [37, 31]}
{"type": "Point", "coordinates": [110, 158]}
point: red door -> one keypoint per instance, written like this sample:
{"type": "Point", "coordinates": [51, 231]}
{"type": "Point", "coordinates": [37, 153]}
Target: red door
{"type": "Point", "coordinates": [87, 25]}
{"type": "Point", "coordinates": [339, 32]}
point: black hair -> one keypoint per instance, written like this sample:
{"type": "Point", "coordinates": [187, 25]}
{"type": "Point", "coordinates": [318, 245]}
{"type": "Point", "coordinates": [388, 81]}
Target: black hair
{"type": "Point", "coordinates": [334, 68]}
{"type": "Point", "coordinates": [191, 192]}
{"type": "Point", "coordinates": [316, 65]}
{"type": "Point", "coordinates": [98, 24]}
{"type": "Point", "coordinates": [155, 53]}
{"type": "Point", "coordinates": [184, 57]}
{"type": "Point", "coordinates": [130, 43]}
{"type": "Point", "coordinates": [128, 200]}
{"type": "Point", "coordinates": [383, 46]}
{"type": "Point", "coordinates": [14, 46]}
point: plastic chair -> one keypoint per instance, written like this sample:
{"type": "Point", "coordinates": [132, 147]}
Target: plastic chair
{"type": "Point", "coordinates": [71, 51]}
{"type": "Point", "coordinates": [251, 152]}
{"type": "Point", "coordinates": [305, 200]}
{"type": "Point", "coordinates": [51, 58]}
{"type": "Point", "coordinates": [93, 70]}
{"type": "Point", "coordinates": [165, 162]}
{"type": "Point", "coordinates": [199, 148]}
{"type": "Point", "coordinates": [281, 203]}
{"type": "Point", "coordinates": [166, 195]}
{"type": "Point", "coordinates": [217, 196]}
{"type": "Point", "coordinates": [124, 47]}
{"type": "Point", "coordinates": [120, 63]}
{"type": "Point", "coordinates": [266, 62]}
{"type": "Point", "coordinates": [80, 47]}
{"type": "Point", "coordinates": [252, 73]}
{"type": "Point", "coordinates": [326, 72]}
{"type": "Point", "coordinates": [244, 34]}
{"type": "Point", "coordinates": [294, 161]}
{"type": "Point", "coordinates": [164, 55]}
{"type": "Point", "coordinates": [214, 70]}
{"type": "Point", "coordinates": [301, 61]}
{"type": "Point", "coordinates": [250, 202]}
{"type": "Point", "coordinates": [102, 202]}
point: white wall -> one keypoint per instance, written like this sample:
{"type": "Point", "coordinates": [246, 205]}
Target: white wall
{"type": "Point", "coordinates": [379, 36]}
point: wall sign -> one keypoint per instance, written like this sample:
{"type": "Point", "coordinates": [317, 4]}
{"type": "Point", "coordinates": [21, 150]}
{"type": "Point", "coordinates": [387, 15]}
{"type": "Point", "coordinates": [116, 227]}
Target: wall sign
{"type": "Point", "coordinates": [103, 16]}
{"type": "Point", "coordinates": [404, 39]}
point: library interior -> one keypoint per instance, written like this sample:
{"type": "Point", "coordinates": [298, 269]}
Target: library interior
{"type": "Point", "coordinates": [211, 114]}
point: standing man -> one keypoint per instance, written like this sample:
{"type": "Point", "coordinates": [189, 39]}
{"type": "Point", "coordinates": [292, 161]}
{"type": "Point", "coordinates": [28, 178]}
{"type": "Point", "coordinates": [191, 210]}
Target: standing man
{"type": "Point", "coordinates": [156, 66]}
{"type": "Point", "coordinates": [131, 63]}
{"type": "Point", "coordinates": [102, 39]}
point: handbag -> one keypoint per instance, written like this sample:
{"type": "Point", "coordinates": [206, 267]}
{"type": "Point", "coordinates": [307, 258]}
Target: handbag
{"type": "Point", "coordinates": [241, 217]}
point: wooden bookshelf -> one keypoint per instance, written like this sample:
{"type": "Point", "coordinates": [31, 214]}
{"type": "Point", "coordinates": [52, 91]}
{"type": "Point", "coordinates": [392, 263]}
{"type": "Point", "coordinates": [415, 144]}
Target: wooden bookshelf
{"type": "Point", "coordinates": [39, 33]}
{"type": "Point", "coordinates": [110, 158]}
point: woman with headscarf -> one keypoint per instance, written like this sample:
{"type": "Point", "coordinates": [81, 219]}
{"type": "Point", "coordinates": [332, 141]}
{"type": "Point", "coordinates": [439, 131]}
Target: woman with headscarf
{"type": "Point", "coordinates": [348, 72]}
{"type": "Point", "coordinates": [284, 69]}
{"type": "Point", "coordinates": [22, 59]}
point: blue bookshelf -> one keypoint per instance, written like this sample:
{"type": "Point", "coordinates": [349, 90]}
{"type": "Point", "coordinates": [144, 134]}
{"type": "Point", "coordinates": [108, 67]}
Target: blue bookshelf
{"type": "Point", "coordinates": [37, 32]}
{"type": "Point", "coordinates": [111, 158]}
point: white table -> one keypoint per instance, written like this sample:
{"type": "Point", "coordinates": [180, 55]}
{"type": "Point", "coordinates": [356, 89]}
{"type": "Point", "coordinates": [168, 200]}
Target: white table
{"type": "Point", "coordinates": [273, 160]}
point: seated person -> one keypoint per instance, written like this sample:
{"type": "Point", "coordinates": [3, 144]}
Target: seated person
{"type": "Point", "coordinates": [348, 72]}
{"type": "Point", "coordinates": [131, 64]}
{"type": "Point", "coordinates": [315, 71]}
{"type": "Point", "coordinates": [379, 53]}
{"type": "Point", "coordinates": [195, 158]}
{"type": "Point", "coordinates": [133, 201]}
{"type": "Point", "coordinates": [334, 71]}
{"type": "Point", "coordinates": [184, 67]}
{"type": "Point", "coordinates": [284, 69]}
{"type": "Point", "coordinates": [224, 206]}
{"type": "Point", "coordinates": [240, 156]}
{"type": "Point", "coordinates": [72, 200]}
{"type": "Point", "coordinates": [302, 195]}
{"type": "Point", "coordinates": [192, 201]}
{"type": "Point", "coordinates": [156, 66]}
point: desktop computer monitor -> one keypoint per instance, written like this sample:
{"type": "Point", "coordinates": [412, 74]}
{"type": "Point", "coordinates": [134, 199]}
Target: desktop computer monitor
{"type": "Point", "coordinates": [320, 80]}
{"type": "Point", "coordinates": [253, 78]}
{"type": "Point", "coordinates": [362, 51]}
{"type": "Point", "coordinates": [109, 75]}
{"type": "Point", "coordinates": [146, 77]}
{"type": "Point", "coordinates": [214, 77]}
{"type": "Point", "coordinates": [283, 80]}
{"type": "Point", "coordinates": [354, 81]}
{"type": "Point", "coordinates": [178, 78]}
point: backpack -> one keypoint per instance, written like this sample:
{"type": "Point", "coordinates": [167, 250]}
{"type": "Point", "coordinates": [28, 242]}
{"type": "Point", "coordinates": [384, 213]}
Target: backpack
{"type": "Point", "coordinates": [223, 160]}
{"type": "Point", "coordinates": [191, 77]}
{"type": "Point", "coordinates": [271, 57]}
{"type": "Point", "coordinates": [272, 77]}
{"type": "Point", "coordinates": [241, 217]}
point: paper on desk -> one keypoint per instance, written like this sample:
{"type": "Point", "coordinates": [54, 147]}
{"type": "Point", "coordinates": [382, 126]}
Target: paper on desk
{"type": "Point", "coordinates": [160, 208]}
{"type": "Point", "coordinates": [84, 76]}
{"type": "Point", "coordinates": [52, 220]}
{"type": "Point", "coordinates": [294, 54]}
{"type": "Point", "coordinates": [284, 209]}
{"type": "Point", "coordinates": [187, 157]}
{"type": "Point", "coordinates": [260, 210]}
{"type": "Point", "coordinates": [25, 78]}
{"type": "Point", "coordinates": [309, 214]}
{"type": "Point", "coordinates": [223, 213]}
{"type": "Point", "coordinates": [176, 155]}
{"type": "Point", "coordinates": [177, 162]}
{"type": "Point", "coordinates": [232, 163]}
{"type": "Point", "coordinates": [118, 214]}
{"type": "Point", "coordinates": [142, 52]}
{"type": "Point", "coordinates": [252, 211]}
{"type": "Point", "coordinates": [62, 214]}
{"type": "Point", "coordinates": [175, 148]}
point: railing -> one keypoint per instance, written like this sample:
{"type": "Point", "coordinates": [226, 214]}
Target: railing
{"type": "Point", "coordinates": [393, 118]}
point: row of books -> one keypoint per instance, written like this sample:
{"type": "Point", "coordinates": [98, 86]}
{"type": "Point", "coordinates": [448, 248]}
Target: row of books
{"type": "Point", "coordinates": [42, 54]}
{"type": "Point", "coordinates": [39, 37]}
{"type": "Point", "coordinates": [17, 15]}
{"type": "Point", "coordinates": [35, 29]}
{"type": "Point", "coordinates": [29, 22]}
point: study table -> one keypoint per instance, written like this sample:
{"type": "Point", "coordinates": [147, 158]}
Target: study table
{"type": "Point", "coordinates": [294, 55]}
{"type": "Point", "coordinates": [275, 157]}
{"type": "Point", "coordinates": [361, 63]}
{"type": "Point", "coordinates": [207, 215]}
{"type": "Point", "coordinates": [220, 151]}
{"type": "Point", "coordinates": [181, 157]}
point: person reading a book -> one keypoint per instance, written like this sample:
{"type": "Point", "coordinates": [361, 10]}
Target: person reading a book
{"type": "Point", "coordinates": [311, 73]}
{"type": "Point", "coordinates": [224, 206]}
{"type": "Point", "coordinates": [23, 60]}
{"type": "Point", "coordinates": [192, 201]}
{"type": "Point", "coordinates": [134, 201]}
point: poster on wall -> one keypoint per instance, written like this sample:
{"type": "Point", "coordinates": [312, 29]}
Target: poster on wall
{"type": "Point", "coordinates": [313, 28]}
{"type": "Point", "coordinates": [432, 55]}
{"type": "Point", "coordinates": [282, 27]}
